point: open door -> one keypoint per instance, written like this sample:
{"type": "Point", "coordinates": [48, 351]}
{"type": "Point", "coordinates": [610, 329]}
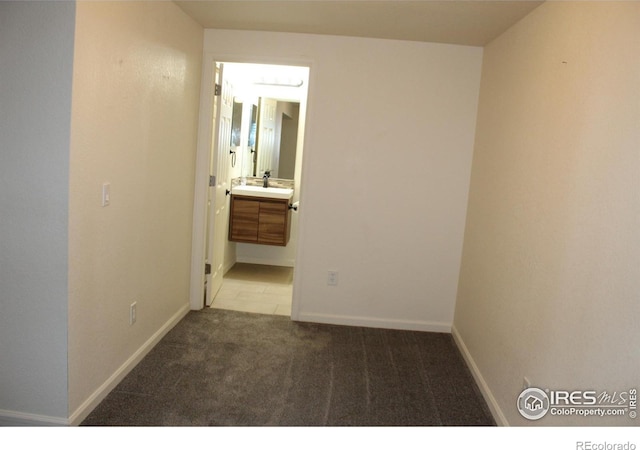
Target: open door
{"type": "Point", "coordinates": [218, 200]}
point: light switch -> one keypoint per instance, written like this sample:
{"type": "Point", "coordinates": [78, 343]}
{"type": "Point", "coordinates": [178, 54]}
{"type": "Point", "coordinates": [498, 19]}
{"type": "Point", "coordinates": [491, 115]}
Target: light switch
{"type": "Point", "coordinates": [106, 194]}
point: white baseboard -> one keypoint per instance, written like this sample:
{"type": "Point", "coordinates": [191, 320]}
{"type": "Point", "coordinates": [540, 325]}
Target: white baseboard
{"type": "Point", "coordinates": [94, 399]}
{"type": "Point", "coordinates": [18, 419]}
{"type": "Point", "coordinates": [227, 267]}
{"type": "Point", "coordinates": [497, 413]}
{"type": "Point", "coordinates": [267, 261]}
{"type": "Point", "coordinates": [374, 322]}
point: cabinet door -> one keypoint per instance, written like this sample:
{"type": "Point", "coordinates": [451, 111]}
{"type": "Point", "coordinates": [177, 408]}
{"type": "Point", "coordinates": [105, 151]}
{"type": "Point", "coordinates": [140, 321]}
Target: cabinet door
{"type": "Point", "coordinates": [244, 220]}
{"type": "Point", "coordinates": [273, 223]}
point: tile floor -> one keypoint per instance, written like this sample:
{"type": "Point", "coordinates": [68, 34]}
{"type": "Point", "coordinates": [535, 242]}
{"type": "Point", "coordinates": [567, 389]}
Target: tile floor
{"type": "Point", "coordinates": [256, 288]}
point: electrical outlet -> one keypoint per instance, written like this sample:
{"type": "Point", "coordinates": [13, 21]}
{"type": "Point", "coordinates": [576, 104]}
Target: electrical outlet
{"type": "Point", "coordinates": [526, 384]}
{"type": "Point", "coordinates": [133, 313]}
{"type": "Point", "coordinates": [332, 278]}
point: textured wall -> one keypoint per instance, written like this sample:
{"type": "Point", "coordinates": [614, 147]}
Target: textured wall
{"type": "Point", "coordinates": [136, 92]}
{"type": "Point", "coordinates": [551, 266]}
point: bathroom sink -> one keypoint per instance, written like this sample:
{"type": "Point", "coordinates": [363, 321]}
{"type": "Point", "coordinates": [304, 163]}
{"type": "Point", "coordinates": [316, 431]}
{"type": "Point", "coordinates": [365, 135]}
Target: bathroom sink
{"type": "Point", "coordinates": [259, 191]}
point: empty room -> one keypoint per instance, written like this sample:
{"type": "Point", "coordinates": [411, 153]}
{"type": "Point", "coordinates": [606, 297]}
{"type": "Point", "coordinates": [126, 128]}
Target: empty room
{"type": "Point", "coordinates": [460, 219]}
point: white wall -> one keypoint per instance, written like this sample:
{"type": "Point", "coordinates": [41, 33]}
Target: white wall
{"type": "Point", "coordinates": [551, 267]}
{"type": "Point", "coordinates": [36, 50]}
{"type": "Point", "coordinates": [387, 157]}
{"type": "Point", "coordinates": [135, 112]}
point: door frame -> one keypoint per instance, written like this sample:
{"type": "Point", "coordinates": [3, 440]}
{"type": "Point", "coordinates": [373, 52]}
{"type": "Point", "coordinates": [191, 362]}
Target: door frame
{"type": "Point", "coordinates": [220, 161]}
{"type": "Point", "coordinates": [203, 153]}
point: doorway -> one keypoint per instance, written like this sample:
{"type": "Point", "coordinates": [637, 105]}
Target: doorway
{"type": "Point", "coordinates": [257, 123]}
{"type": "Point", "coordinates": [256, 288]}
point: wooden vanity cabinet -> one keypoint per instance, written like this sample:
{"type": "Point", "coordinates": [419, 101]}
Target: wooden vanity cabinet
{"type": "Point", "coordinates": [259, 220]}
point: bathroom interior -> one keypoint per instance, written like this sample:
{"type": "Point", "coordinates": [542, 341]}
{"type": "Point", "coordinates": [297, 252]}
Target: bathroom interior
{"type": "Point", "coordinates": [256, 159]}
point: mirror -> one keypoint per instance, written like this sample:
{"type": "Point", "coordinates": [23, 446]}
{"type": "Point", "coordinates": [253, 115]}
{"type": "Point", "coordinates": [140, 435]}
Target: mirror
{"type": "Point", "coordinates": [236, 122]}
{"type": "Point", "coordinates": [241, 118]}
{"type": "Point", "coordinates": [273, 139]}
{"type": "Point", "coordinates": [256, 85]}
{"type": "Point", "coordinates": [288, 141]}
{"type": "Point", "coordinates": [253, 126]}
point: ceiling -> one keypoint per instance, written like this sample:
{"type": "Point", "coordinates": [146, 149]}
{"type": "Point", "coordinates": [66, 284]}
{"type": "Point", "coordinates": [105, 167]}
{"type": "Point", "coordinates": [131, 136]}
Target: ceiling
{"type": "Point", "coordinates": [474, 22]}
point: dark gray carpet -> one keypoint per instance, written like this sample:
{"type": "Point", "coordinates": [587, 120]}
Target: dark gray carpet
{"type": "Point", "coordinates": [230, 368]}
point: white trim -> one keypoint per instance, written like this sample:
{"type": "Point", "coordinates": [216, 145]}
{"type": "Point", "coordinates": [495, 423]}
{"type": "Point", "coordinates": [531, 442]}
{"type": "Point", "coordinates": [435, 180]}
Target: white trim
{"type": "Point", "coordinates": [94, 399]}
{"type": "Point", "coordinates": [375, 322]}
{"type": "Point", "coordinates": [203, 153]}
{"type": "Point", "coordinates": [296, 302]}
{"type": "Point", "coordinates": [266, 261]}
{"type": "Point", "coordinates": [227, 267]}
{"type": "Point", "coordinates": [19, 419]}
{"type": "Point", "coordinates": [203, 150]}
{"type": "Point", "coordinates": [497, 413]}
{"type": "Point", "coordinates": [16, 418]}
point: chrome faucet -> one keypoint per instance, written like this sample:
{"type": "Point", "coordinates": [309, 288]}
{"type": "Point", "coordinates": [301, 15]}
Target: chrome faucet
{"type": "Point", "coordinates": [265, 178]}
